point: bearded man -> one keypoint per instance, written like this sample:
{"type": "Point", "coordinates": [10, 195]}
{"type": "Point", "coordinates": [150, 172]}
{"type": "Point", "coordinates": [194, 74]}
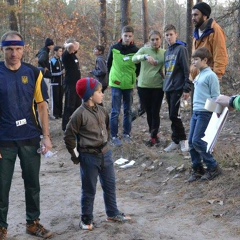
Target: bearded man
{"type": "Point", "coordinates": [209, 34]}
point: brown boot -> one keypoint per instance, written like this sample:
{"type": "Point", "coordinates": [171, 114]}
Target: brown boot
{"type": "Point", "coordinates": [3, 233]}
{"type": "Point", "coordinates": [38, 230]}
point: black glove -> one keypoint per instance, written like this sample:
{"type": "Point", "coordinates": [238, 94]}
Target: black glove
{"type": "Point", "coordinates": [75, 160]}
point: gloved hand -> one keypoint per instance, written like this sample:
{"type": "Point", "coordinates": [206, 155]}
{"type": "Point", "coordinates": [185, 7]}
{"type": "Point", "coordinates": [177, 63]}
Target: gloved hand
{"type": "Point", "coordinates": [223, 100]}
{"type": "Point", "coordinates": [75, 160]}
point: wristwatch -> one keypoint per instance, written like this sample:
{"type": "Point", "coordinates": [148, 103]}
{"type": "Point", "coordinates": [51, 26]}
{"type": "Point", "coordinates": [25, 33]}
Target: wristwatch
{"type": "Point", "coordinates": [231, 101]}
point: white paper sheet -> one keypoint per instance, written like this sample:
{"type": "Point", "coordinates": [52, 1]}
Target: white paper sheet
{"type": "Point", "coordinates": [121, 161]}
{"type": "Point", "coordinates": [214, 128]}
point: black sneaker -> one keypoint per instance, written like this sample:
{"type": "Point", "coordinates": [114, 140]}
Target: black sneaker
{"type": "Point", "coordinates": [196, 174]}
{"type": "Point", "coordinates": [210, 175]}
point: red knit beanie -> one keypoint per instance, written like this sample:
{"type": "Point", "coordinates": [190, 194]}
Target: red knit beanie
{"type": "Point", "coordinates": [86, 87]}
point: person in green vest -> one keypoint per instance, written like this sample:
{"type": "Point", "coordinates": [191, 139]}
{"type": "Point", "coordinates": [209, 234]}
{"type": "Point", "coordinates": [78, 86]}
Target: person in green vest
{"type": "Point", "coordinates": [122, 80]}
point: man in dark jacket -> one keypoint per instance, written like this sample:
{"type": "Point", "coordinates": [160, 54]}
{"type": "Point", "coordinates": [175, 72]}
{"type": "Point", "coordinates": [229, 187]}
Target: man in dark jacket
{"type": "Point", "coordinates": [43, 57]}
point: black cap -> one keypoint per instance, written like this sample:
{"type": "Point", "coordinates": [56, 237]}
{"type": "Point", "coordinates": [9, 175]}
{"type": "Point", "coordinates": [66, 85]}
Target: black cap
{"type": "Point", "coordinates": [48, 42]}
{"type": "Point", "coordinates": [204, 8]}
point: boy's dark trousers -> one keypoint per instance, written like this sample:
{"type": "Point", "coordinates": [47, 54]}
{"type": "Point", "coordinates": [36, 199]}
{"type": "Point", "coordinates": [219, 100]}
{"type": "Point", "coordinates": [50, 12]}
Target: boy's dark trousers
{"type": "Point", "coordinates": [173, 99]}
{"type": "Point", "coordinates": [57, 97]}
{"type": "Point", "coordinates": [30, 164]}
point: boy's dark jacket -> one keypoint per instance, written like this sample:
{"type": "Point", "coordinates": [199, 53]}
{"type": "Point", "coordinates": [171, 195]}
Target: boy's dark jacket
{"type": "Point", "coordinates": [57, 70]}
{"type": "Point", "coordinates": [177, 68]}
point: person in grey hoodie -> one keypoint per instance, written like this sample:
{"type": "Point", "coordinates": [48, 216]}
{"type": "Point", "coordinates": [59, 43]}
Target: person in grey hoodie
{"type": "Point", "coordinates": [176, 84]}
{"type": "Point", "coordinates": [100, 72]}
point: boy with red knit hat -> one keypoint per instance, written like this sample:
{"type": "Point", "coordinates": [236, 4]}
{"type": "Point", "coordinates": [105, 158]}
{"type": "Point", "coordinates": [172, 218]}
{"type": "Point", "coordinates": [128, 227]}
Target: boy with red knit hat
{"type": "Point", "coordinates": [88, 132]}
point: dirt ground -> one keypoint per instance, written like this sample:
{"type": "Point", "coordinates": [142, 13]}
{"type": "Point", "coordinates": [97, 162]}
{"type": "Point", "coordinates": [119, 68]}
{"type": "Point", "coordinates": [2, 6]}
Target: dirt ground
{"type": "Point", "coordinates": [154, 191]}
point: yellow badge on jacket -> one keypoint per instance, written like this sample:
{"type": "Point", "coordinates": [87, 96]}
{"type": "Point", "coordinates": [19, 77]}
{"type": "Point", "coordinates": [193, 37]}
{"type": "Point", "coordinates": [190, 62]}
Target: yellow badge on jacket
{"type": "Point", "coordinates": [24, 79]}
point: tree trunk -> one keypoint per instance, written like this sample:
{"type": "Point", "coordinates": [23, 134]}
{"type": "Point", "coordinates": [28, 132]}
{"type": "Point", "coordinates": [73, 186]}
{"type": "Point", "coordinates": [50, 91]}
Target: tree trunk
{"type": "Point", "coordinates": [189, 27]}
{"type": "Point", "coordinates": [189, 39]}
{"type": "Point", "coordinates": [13, 23]}
{"type": "Point", "coordinates": [145, 20]}
{"type": "Point", "coordinates": [125, 10]}
{"type": "Point", "coordinates": [102, 30]}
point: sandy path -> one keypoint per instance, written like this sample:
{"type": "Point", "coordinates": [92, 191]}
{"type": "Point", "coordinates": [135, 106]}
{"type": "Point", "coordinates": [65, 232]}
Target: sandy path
{"type": "Point", "coordinates": [157, 210]}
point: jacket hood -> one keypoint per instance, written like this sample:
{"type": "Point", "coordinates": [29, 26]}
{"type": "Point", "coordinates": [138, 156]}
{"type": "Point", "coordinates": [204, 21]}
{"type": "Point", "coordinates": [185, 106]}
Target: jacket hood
{"type": "Point", "coordinates": [45, 49]}
{"type": "Point", "coordinates": [208, 30]}
{"type": "Point", "coordinates": [131, 43]}
{"type": "Point", "coordinates": [178, 42]}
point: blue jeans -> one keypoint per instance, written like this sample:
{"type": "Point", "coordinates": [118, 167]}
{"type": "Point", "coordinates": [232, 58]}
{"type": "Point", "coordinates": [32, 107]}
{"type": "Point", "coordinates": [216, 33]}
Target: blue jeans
{"type": "Point", "coordinates": [92, 166]}
{"type": "Point", "coordinates": [117, 96]}
{"type": "Point", "coordinates": [197, 146]}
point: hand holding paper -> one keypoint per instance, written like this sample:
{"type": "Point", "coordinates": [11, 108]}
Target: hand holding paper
{"type": "Point", "coordinates": [212, 106]}
{"type": "Point", "coordinates": [223, 100]}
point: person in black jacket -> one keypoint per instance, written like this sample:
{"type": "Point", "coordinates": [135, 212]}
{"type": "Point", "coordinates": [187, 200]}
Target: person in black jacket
{"type": "Point", "coordinates": [43, 57]}
{"type": "Point", "coordinates": [57, 72]}
{"type": "Point", "coordinates": [72, 75]}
